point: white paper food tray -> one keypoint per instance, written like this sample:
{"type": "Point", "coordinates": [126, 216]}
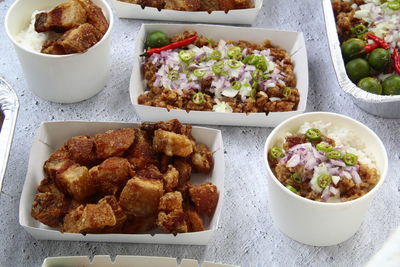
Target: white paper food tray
{"type": "Point", "coordinates": [52, 135]}
{"type": "Point", "coordinates": [293, 42]}
{"type": "Point", "coordinates": [125, 261]}
{"type": "Point", "coordinates": [238, 16]}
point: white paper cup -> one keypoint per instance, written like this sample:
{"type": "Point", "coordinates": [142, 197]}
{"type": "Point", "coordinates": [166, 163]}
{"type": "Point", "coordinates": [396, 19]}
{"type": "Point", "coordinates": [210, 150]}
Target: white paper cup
{"type": "Point", "coordinates": [60, 78]}
{"type": "Point", "coordinates": [317, 223]}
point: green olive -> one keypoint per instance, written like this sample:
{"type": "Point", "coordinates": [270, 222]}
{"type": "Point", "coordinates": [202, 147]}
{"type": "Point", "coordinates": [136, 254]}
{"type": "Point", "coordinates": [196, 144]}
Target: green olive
{"type": "Point", "coordinates": [353, 48]}
{"type": "Point", "coordinates": [157, 39]}
{"type": "Point", "coordinates": [379, 59]}
{"type": "Point", "coordinates": [371, 85]}
{"type": "Point", "coordinates": [391, 85]}
{"type": "Point", "coordinates": [357, 69]}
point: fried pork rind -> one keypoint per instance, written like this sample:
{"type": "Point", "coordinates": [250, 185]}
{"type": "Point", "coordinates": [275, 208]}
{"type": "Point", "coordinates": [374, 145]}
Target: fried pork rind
{"type": "Point", "coordinates": [150, 172]}
{"type": "Point", "coordinates": [81, 150]}
{"type": "Point", "coordinates": [62, 18]}
{"type": "Point", "coordinates": [119, 214]}
{"type": "Point", "coordinates": [184, 5]}
{"type": "Point", "coordinates": [48, 185]}
{"type": "Point", "coordinates": [171, 218]}
{"type": "Point", "coordinates": [142, 153]}
{"type": "Point", "coordinates": [95, 16]}
{"type": "Point", "coordinates": [202, 159]}
{"type": "Point", "coordinates": [204, 198]}
{"type": "Point", "coordinates": [139, 225]}
{"type": "Point", "coordinates": [171, 179]}
{"type": "Point", "coordinates": [52, 167]}
{"type": "Point", "coordinates": [114, 142]}
{"type": "Point", "coordinates": [194, 221]}
{"type": "Point", "coordinates": [49, 208]}
{"type": "Point", "coordinates": [76, 182]}
{"type": "Point", "coordinates": [92, 218]}
{"type": "Point", "coordinates": [140, 197]}
{"type": "Point", "coordinates": [170, 126]}
{"type": "Point", "coordinates": [172, 144]}
{"type": "Point", "coordinates": [184, 169]}
{"type": "Point", "coordinates": [111, 175]}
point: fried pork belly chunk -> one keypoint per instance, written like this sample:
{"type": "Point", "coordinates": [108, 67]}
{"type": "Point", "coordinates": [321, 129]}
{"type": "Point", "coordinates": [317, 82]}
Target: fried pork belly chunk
{"type": "Point", "coordinates": [171, 178]}
{"type": "Point", "coordinates": [184, 169]}
{"type": "Point", "coordinates": [139, 225]}
{"type": "Point", "coordinates": [49, 208]}
{"type": "Point", "coordinates": [62, 18]}
{"type": "Point", "coordinates": [120, 216]}
{"type": "Point", "coordinates": [202, 159]}
{"type": "Point", "coordinates": [172, 144]}
{"type": "Point", "coordinates": [142, 153]}
{"type": "Point", "coordinates": [194, 221]}
{"type": "Point", "coordinates": [150, 172]}
{"type": "Point", "coordinates": [140, 197]}
{"type": "Point", "coordinates": [114, 142]}
{"type": "Point", "coordinates": [81, 150]}
{"type": "Point", "coordinates": [204, 198]}
{"type": "Point", "coordinates": [54, 166]}
{"type": "Point", "coordinates": [185, 5]}
{"type": "Point", "coordinates": [170, 126]}
{"type": "Point", "coordinates": [111, 175]}
{"type": "Point", "coordinates": [171, 218]}
{"type": "Point", "coordinates": [92, 218]}
{"type": "Point", "coordinates": [48, 185]}
{"type": "Point", "coordinates": [95, 16]}
{"type": "Point", "coordinates": [76, 40]}
{"type": "Point", "coordinates": [76, 182]}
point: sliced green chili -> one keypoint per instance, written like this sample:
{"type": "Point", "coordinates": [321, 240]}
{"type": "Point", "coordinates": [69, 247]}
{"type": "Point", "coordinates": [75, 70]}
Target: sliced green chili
{"type": "Point", "coordinates": [199, 73]}
{"type": "Point", "coordinates": [350, 159]}
{"type": "Point", "coordinates": [334, 154]}
{"type": "Point", "coordinates": [186, 55]}
{"type": "Point", "coordinates": [234, 51]}
{"type": "Point", "coordinates": [296, 177]}
{"type": "Point", "coordinates": [277, 152]}
{"type": "Point", "coordinates": [249, 59]}
{"type": "Point", "coordinates": [262, 64]}
{"type": "Point", "coordinates": [236, 85]}
{"type": "Point", "coordinates": [313, 134]}
{"type": "Point", "coordinates": [287, 92]}
{"type": "Point", "coordinates": [323, 180]}
{"type": "Point", "coordinates": [325, 147]}
{"type": "Point", "coordinates": [198, 98]}
{"type": "Point", "coordinates": [394, 5]}
{"type": "Point", "coordinates": [173, 75]}
{"type": "Point", "coordinates": [291, 188]}
{"type": "Point", "coordinates": [257, 75]}
{"type": "Point", "coordinates": [234, 64]}
{"type": "Point", "coordinates": [216, 55]}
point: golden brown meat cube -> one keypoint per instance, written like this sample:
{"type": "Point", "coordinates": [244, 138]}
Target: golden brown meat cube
{"type": "Point", "coordinates": [114, 142]}
{"type": "Point", "coordinates": [150, 172]}
{"type": "Point", "coordinates": [202, 159]}
{"type": "Point", "coordinates": [173, 222]}
{"type": "Point", "coordinates": [76, 40]}
{"type": "Point", "coordinates": [111, 175]}
{"type": "Point", "coordinates": [142, 153]}
{"type": "Point", "coordinates": [48, 185]}
{"type": "Point", "coordinates": [171, 201]}
{"type": "Point", "coordinates": [53, 167]}
{"type": "Point", "coordinates": [184, 169]}
{"type": "Point", "coordinates": [194, 221]}
{"type": "Point", "coordinates": [140, 197]}
{"type": "Point", "coordinates": [172, 144]}
{"type": "Point", "coordinates": [81, 150]}
{"type": "Point", "coordinates": [62, 18]}
{"type": "Point", "coordinates": [169, 126]}
{"type": "Point", "coordinates": [49, 208]}
{"type": "Point", "coordinates": [204, 198]}
{"type": "Point", "coordinates": [93, 218]}
{"type": "Point", "coordinates": [139, 225]}
{"type": "Point", "coordinates": [77, 182]}
{"type": "Point", "coordinates": [61, 153]}
{"type": "Point", "coordinates": [95, 16]}
{"type": "Point", "coordinates": [119, 214]}
{"type": "Point", "coordinates": [171, 179]}
{"type": "Point", "coordinates": [185, 5]}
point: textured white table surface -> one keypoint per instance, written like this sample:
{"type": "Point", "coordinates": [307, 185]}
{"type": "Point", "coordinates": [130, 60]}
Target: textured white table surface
{"type": "Point", "coordinates": [246, 235]}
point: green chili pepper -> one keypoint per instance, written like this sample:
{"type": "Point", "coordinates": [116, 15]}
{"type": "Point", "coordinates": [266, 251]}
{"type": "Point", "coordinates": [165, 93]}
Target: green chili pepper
{"type": "Point", "coordinates": [198, 98]}
{"type": "Point", "coordinates": [287, 92]}
{"type": "Point", "coordinates": [199, 73]}
{"type": "Point", "coordinates": [350, 159]}
{"type": "Point", "coordinates": [186, 55]}
{"type": "Point", "coordinates": [296, 177]}
{"type": "Point", "coordinates": [323, 180]}
{"type": "Point", "coordinates": [173, 75]}
{"type": "Point", "coordinates": [253, 92]}
{"type": "Point", "coordinates": [257, 75]}
{"type": "Point", "coordinates": [325, 147]}
{"type": "Point", "coordinates": [266, 76]}
{"type": "Point", "coordinates": [360, 29]}
{"type": "Point", "coordinates": [234, 64]}
{"type": "Point", "coordinates": [216, 55]}
{"type": "Point", "coordinates": [313, 134]}
{"type": "Point", "coordinates": [334, 154]}
{"type": "Point", "coordinates": [247, 59]}
{"type": "Point", "coordinates": [234, 51]}
{"type": "Point", "coordinates": [236, 85]}
{"type": "Point", "coordinates": [394, 5]}
{"type": "Point", "coordinates": [276, 152]}
{"type": "Point", "coordinates": [291, 188]}
{"type": "Point", "coordinates": [216, 69]}
{"type": "Point", "coordinates": [262, 64]}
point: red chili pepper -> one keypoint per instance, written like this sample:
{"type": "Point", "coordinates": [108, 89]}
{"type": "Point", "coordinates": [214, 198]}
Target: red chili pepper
{"type": "Point", "coordinates": [378, 40]}
{"type": "Point", "coordinates": [370, 47]}
{"type": "Point", "coordinates": [396, 60]}
{"type": "Point", "coordinates": [175, 45]}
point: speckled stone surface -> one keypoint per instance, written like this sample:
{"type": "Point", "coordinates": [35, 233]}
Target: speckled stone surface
{"type": "Point", "coordinates": [246, 235]}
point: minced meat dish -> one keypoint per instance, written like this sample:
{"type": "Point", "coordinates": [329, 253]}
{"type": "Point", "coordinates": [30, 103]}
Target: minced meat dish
{"type": "Point", "coordinates": [220, 76]}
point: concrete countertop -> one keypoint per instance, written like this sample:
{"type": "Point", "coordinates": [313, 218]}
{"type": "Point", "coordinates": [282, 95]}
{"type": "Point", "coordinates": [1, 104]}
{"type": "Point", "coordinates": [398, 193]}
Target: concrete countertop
{"type": "Point", "coordinates": [246, 235]}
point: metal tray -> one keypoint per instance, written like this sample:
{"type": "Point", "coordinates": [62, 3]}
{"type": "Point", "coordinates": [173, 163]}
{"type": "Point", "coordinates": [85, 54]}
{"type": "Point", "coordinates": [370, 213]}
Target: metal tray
{"type": "Point", "coordinates": [9, 108]}
{"type": "Point", "coordinates": [383, 106]}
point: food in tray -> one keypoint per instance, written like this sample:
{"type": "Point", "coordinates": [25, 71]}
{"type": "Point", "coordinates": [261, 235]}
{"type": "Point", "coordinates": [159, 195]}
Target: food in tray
{"type": "Point", "coordinates": [128, 181]}
{"type": "Point", "coordinates": [370, 41]}
{"type": "Point", "coordinates": [191, 72]}
{"type": "Point", "coordinates": [71, 27]}
{"type": "Point", "coordinates": [194, 5]}
{"type": "Point", "coordinates": [323, 162]}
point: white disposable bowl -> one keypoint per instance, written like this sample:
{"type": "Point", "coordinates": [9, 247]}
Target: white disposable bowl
{"type": "Point", "coordinates": [316, 223]}
{"type": "Point", "coordinates": [66, 78]}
